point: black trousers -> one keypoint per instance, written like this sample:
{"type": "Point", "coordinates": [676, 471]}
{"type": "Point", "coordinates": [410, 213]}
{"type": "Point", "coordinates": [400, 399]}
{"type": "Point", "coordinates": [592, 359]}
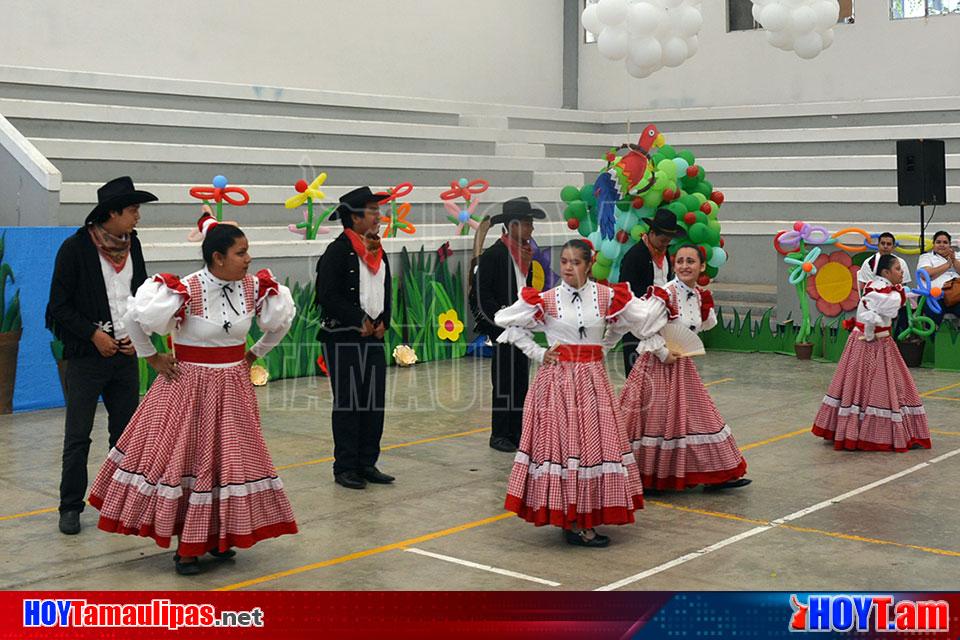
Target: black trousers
{"type": "Point", "coordinates": [358, 378]}
{"type": "Point", "coordinates": [117, 379]}
{"type": "Point", "coordinates": [629, 345]}
{"type": "Point", "coordinates": [510, 373]}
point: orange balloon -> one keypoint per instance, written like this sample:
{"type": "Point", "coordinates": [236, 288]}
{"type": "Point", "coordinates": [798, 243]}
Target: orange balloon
{"type": "Point", "coordinates": [850, 248]}
{"type": "Point", "coordinates": [807, 267]}
{"type": "Point", "coordinates": [935, 292]}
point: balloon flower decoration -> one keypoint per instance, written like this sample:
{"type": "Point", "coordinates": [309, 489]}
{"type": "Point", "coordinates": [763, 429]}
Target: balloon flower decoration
{"type": "Point", "coordinates": [918, 324]}
{"type": "Point", "coordinates": [636, 180]}
{"type": "Point", "coordinates": [397, 220]}
{"type": "Point", "coordinates": [308, 194]}
{"type": "Point", "coordinates": [219, 192]}
{"type": "Point", "coordinates": [463, 215]}
{"type": "Point", "coordinates": [803, 268]}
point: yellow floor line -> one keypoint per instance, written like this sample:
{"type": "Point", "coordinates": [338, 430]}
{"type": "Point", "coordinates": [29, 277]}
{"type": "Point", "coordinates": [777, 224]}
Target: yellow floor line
{"type": "Point", "coordinates": [933, 391]}
{"type": "Point", "coordinates": [461, 434]}
{"type": "Point", "coordinates": [940, 398]}
{"type": "Point", "coordinates": [391, 446]}
{"type": "Point", "coordinates": [29, 513]}
{"type": "Point", "coordinates": [793, 527]}
{"type": "Point", "coordinates": [366, 553]}
{"type": "Point", "coordinates": [784, 436]}
{"type": "Point", "coordinates": [945, 433]}
{"type": "Point", "coordinates": [720, 381]}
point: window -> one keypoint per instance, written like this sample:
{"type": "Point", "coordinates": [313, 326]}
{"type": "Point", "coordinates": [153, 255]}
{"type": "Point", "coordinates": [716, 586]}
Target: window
{"type": "Point", "coordinates": [588, 37]}
{"type": "Point", "coordinates": [900, 9]}
{"type": "Point", "coordinates": [740, 14]}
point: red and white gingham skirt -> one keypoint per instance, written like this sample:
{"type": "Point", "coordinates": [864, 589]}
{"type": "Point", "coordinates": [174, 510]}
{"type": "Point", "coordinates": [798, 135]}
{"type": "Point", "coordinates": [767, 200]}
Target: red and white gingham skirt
{"type": "Point", "coordinates": [678, 437]}
{"type": "Point", "coordinates": [193, 463]}
{"type": "Point", "coordinates": [574, 468]}
{"type": "Point", "coordinates": [872, 403]}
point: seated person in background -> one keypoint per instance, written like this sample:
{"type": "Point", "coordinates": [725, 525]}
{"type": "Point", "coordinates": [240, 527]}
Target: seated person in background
{"type": "Point", "coordinates": [944, 269]}
{"type": "Point", "coordinates": [886, 243]}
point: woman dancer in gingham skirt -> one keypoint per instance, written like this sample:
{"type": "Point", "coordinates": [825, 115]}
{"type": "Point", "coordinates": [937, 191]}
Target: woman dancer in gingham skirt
{"type": "Point", "coordinates": [679, 438]}
{"type": "Point", "coordinates": [574, 468]}
{"type": "Point", "coordinates": [872, 403]}
{"type": "Point", "coordinates": [192, 462]}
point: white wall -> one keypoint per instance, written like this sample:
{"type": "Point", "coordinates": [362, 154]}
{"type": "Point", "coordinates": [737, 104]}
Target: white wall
{"type": "Point", "coordinates": [504, 51]}
{"type": "Point", "coordinates": [874, 58]}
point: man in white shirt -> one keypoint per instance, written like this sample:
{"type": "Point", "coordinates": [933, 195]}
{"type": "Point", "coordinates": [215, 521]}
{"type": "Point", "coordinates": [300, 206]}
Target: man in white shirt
{"type": "Point", "coordinates": [886, 243]}
{"type": "Point", "coordinates": [97, 270]}
{"type": "Point", "coordinates": [943, 266]}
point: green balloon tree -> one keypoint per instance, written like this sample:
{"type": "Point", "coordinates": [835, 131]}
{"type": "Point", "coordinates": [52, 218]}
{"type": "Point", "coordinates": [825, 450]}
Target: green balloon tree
{"type": "Point", "coordinates": [672, 180]}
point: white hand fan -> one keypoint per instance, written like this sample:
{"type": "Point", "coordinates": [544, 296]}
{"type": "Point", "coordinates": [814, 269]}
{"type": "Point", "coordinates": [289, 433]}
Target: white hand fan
{"type": "Point", "coordinates": [682, 340]}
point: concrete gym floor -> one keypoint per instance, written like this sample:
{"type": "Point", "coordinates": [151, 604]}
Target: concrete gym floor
{"type": "Point", "coordinates": [813, 519]}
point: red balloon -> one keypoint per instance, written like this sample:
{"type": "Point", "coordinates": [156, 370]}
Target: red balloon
{"type": "Point", "coordinates": [717, 197]}
{"type": "Point", "coordinates": [637, 203]}
{"type": "Point", "coordinates": [301, 186]}
{"type": "Point", "coordinates": [705, 207]}
{"type": "Point", "coordinates": [668, 195]}
{"type": "Point", "coordinates": [690, 218]}
{"type": "Point", "coordinates": [722, 242]}
{"type": "Point", "coordinates": [693, 171]}
{"type": "Point", "coordinates": [622, 236]}
{"type": "Point", "coordinates": [703, 280]}
{"type": "Point", "coordinates": [573, 223]}
{"type": "Point", "coordinates": [798, 226]}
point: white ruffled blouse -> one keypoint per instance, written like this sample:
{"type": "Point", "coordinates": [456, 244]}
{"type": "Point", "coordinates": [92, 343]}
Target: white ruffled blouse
{"type": "Point", "coordinates": [879, 305]}
{"type": "Point", "coordinates": [593, 314]}
{"type": "Point", "coordinates": [203, 311]}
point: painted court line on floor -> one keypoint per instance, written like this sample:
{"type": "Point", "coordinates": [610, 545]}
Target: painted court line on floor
{"type": "Point", "coordinates": [403, 544]}
{"type": "Point", "coordinates": [822, 532]}
{"type": "Point", "coordinates": [483, 567]}
{"type": "Point", "coordinates": [772, 525]}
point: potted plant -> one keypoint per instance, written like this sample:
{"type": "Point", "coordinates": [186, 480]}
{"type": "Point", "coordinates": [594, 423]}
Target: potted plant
{"type": "Point", "coordinates": [803, 268]}
{"type": "Point", "coordinates": [919, 327]}
{"type": "Point", "coordinates": [11, 328]}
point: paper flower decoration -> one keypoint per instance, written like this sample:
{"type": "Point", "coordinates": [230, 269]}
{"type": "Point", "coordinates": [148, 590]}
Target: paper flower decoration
{"type": "Point", "coordinates": [258, 375]}
{"type": "Point", "coordinates": [449, 326]}
{"type": "Point", "coordinates": [833, 286]}
{"type": "Point", "coordinates": [404, 355]}
{"type": "Point", "coordinates": [444, 252]}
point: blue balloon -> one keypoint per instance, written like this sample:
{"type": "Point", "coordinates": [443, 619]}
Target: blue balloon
{"type": "Point", "coordinates": [610, 249]}
{"type": "Point", "coordinates": [681, 166]}
{"type": "Point", "coordinates": [464, 216]}
{"type": "Point", "coordinates": [464, 182]}
{"type": "Point", "coordinates": [219, 182]}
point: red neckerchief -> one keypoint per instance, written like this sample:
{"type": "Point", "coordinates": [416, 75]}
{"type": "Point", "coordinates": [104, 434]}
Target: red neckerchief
{"type": "Point", "coordinates": [515, 253]}
{"type": "Point", "coordinates": [114, 249]}
{"type": "Point", "coordinates": [371, 260]}
{"type": "Point", "coordinates": [654, 254]}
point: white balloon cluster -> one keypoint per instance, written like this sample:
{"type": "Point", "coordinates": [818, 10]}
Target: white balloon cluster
{"type": "Point", "coordinates": [802, 26]}
{"type": "Point", "coordinates": [648, 34]}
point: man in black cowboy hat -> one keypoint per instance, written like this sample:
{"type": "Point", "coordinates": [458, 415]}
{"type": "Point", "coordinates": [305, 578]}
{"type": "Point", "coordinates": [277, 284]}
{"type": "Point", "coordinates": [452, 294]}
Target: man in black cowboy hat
{"type": "Point", "coordinates": [353, 292]}
{"type": "Point", "coordinates": [502, 270]}
{"type": "Point", "coordinates": [647, 264]}
{"type": "Point", "coordinates": [97, 269]}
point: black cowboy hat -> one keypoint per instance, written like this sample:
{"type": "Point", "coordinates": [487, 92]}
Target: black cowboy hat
{"type": "Point", "coordinates": [517, 209]}
{"type": "Point", "coordinates": [115, 196]}
{"type": "Point", "coordinates": [665, 221]}
{"type": "Point", "coordinates": [356, 201]}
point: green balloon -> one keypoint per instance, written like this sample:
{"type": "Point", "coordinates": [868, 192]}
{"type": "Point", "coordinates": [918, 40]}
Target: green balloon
{"type": "Point", "coordinates": [713, 236]}
{"type": "Point", "coordinates": [667, 168]}
{"type": "Point", "coordinates": [625, 205]}
{"type": "Point", "coordinates": [603, 260]}
{"type": "Point", "coordinates": [586, 194]}
{"type": "Point", "coordinates": [688, 156]}
{"type": "Point", "coordinates": [691, 203]}
{"type": "Point", "coordinates": [704, 187]}
{"type": "Point", "coordinates": [637, 232]}
{"type": "Point", "coordinates": [714, 225]}
{"type": "Point", "coordinates": [569, 193]}
{"type": "Point", "coordinates": [657, 158]}
{"type": "Point", "coordinates": [678, 209]}
{"type": "Point", "coordinates": [668, 152]}
{"type": "Point", "coordinates": [712, 272]}
{"type": "Point", "coordinates": [652, 199]}
{"type": "Point", "coordinates": [701, 217]}
{"type": "Point", "coordinates": [576, 210]}
{"type": "Point", "coordinates": [708, 185]}
{"type": "Point", "coordinates": [699, 197]}
{"type": "Point", "coordinates": [714, 207]}
{"type": "Point", "coordinates": [698, 233]}
{"type": "Point", "coordinates": [601, 272]}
